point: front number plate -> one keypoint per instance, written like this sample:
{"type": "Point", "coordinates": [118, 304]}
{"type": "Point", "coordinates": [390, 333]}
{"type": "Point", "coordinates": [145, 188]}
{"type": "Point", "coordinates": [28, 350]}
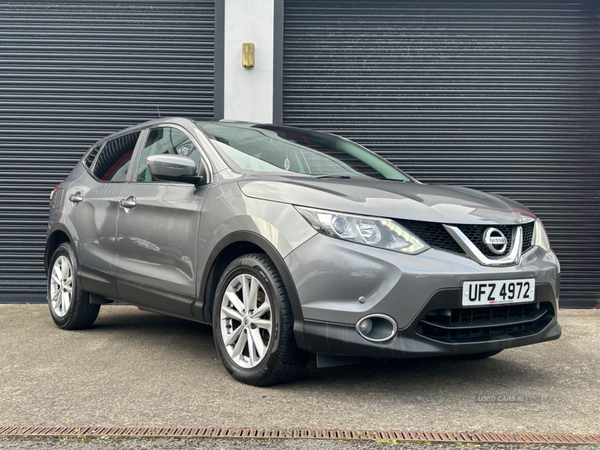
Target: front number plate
{"type": "Point", "coordinates": [476, 293]}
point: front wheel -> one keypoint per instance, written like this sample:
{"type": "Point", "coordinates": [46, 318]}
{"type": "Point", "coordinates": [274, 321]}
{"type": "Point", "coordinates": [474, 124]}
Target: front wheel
{"type": "Point", "coordinates": [253, 323]}
{"type": "Point", "coordinates": [69, 305]}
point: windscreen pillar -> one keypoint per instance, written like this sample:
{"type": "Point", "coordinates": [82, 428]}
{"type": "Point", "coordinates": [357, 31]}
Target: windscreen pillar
{"type": "Point", "coordinates": [248, 60]}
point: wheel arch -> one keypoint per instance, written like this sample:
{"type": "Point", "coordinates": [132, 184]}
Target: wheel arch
{"type": "Point", "coordinates": [230, 247]}
{"type": "Point", "coordinates": [58, 236]}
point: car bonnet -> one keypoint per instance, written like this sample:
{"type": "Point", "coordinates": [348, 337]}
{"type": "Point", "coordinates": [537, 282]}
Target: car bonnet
{"type": "Point", "coordinates": [391, 199]}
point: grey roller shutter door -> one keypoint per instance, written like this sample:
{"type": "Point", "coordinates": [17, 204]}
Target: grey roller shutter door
{"type": "Point", "coordinates": [72, 72]}
{"type": "Point", "coordinates": [499, 96]}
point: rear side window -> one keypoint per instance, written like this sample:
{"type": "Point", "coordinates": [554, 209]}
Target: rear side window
{"type": "Point", "coordinates": [89, 159]}
{"type": "Point", "coordinates": [113, 161]}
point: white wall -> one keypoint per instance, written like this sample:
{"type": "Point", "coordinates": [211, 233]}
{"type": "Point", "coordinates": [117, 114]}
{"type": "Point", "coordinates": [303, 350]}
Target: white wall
{"type": "Point", "coordinates": [248, 92]}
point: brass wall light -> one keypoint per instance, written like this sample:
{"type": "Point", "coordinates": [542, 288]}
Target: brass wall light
{"type": "Point", "coordinates": [247, 54]}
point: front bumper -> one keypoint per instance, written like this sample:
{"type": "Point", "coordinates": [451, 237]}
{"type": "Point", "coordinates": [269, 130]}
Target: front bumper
{"type": "Point", "coordinates": [331, 276]}
{"type": "Point", "coordinates": [479, 336]}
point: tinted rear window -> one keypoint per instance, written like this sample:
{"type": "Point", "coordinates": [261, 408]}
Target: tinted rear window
{"type": "Point", "coordinates": [91, 156]}
{"type": "Point", "coordinates": [113, 161]}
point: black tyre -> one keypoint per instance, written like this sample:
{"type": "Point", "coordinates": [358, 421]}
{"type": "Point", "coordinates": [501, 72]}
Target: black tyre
{"type": "Point", "coordinates": [69, 305]}
{"type": "Point", "coordinates": [481, 355]}
{"type": "Point", "coordinates": [253, 323]}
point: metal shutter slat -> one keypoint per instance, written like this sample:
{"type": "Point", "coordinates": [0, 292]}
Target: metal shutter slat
{"type": "Point", "coordinates": [499, 96]}
{"type": "Point", "coordinates": [72, 72]}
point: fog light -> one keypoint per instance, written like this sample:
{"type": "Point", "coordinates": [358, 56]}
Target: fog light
{"type": "Point", "coordinates": [366, 326]}
{"type": "Point", "coordinates": [377, 327]}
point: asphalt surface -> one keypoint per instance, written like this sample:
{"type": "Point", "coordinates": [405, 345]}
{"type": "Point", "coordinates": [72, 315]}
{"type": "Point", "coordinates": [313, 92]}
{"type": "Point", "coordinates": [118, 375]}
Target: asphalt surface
{"type": "Point", "coordinates": [135, 368]}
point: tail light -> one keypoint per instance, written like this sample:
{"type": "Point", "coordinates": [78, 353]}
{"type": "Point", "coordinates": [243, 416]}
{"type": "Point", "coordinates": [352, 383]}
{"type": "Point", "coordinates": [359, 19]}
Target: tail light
{"type": "Point", "coordinates": [54, 192]}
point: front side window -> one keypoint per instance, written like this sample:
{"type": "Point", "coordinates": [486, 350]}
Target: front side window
{"type": "Point", "coordinates": [280, 149]}
{"type": "Point", "coordinates": [113, 161]}
{"type": "Point", "coordinates": [165, 141]}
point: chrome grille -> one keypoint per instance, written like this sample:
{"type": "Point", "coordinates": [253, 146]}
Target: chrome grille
{"type": "Point", "coordinates": [436, 236]}
{"type": "Point", "coordinates": [475, 235]}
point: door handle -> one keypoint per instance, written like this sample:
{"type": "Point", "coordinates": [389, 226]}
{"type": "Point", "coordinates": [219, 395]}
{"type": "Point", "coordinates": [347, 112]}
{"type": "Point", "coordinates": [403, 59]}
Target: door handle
{"type": "Point", "coordinates": [128, 202]}
{"type": "Point", "coordinates": [76, 197]}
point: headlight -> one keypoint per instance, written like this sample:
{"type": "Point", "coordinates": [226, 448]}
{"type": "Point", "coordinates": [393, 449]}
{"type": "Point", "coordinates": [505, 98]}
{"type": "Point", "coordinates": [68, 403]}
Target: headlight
{"type": "Point", "coordinates": [540, 238]}
{"type": "Point", "coordinates": [382, 233]}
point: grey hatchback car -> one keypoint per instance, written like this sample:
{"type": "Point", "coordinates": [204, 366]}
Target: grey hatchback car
{"type": "Point", "coordinates": [291, 242]}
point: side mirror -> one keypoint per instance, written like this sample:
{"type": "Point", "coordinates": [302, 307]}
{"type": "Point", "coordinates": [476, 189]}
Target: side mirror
{"type": "Point", "coordinates": [175, 168]}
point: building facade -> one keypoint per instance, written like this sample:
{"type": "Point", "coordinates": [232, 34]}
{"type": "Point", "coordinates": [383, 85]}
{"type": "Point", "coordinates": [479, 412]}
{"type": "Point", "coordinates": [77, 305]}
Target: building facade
{"type": "Point", "coordinates": [498, 96]}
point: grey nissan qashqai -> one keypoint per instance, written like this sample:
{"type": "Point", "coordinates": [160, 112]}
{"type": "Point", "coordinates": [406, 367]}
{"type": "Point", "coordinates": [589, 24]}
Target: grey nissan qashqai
{"type": "Point", "coordinates": [292, 242]}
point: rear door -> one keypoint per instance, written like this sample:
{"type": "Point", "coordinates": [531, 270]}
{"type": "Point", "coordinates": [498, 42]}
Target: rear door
{"type": "Point", "coordinates": [92, 207]}
{"type": "Point", "coordinates": [158, 229]}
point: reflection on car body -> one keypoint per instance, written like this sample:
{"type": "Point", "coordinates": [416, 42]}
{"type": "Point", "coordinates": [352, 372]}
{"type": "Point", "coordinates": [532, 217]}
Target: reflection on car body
{"type": "Point", "coordinates": [291, 242]}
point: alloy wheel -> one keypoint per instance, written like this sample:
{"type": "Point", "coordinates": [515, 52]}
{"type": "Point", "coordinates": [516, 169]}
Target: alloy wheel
{"type": "Point", "coordinates": [246, 321]}
{"type": "Point", "coordinates": [61, 286]}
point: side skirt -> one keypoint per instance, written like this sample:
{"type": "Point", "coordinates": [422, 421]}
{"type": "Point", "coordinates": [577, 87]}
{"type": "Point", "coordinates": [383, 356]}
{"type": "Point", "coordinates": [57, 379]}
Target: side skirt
{"type": "Point", "coordinates": [156, 300]}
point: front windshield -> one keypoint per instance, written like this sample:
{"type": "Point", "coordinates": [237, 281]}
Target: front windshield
{"type": "Point", "coordinates": [279, 149]}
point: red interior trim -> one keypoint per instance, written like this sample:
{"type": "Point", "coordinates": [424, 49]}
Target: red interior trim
{"type": "Point", "coordinates": [109, 173]}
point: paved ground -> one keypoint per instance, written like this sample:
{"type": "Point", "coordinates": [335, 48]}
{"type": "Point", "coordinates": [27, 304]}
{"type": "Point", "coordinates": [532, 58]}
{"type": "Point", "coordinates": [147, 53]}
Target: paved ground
{"type": "Point", "coordinates": [195, 444]}
{"type": "Point", "coordinates": [137, 368]}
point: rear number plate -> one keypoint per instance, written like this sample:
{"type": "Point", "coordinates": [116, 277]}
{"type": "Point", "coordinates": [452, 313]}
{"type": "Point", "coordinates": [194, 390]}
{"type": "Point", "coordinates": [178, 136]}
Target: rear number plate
{"type": "Point", "coordinates": [476, 293]}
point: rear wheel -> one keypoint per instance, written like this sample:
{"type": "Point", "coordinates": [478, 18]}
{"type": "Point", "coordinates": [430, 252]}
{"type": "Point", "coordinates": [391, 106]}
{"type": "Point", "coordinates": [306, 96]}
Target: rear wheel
{"type": "Point", "coordinates": [69, 305]}
{"type": "Point", "coordinates": [253, 323]}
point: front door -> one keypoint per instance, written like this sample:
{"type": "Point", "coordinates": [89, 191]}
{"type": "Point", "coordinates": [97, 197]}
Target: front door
{"type": "Point", "coordinates": [158, 231]}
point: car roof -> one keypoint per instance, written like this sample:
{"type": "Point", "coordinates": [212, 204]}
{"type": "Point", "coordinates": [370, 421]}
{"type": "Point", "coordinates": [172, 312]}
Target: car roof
{"type": "Point", "coordinates": [181, 120]}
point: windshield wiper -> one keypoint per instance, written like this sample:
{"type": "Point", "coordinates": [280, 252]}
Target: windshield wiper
{"type": "Point", "coordinates": [331, 175]}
